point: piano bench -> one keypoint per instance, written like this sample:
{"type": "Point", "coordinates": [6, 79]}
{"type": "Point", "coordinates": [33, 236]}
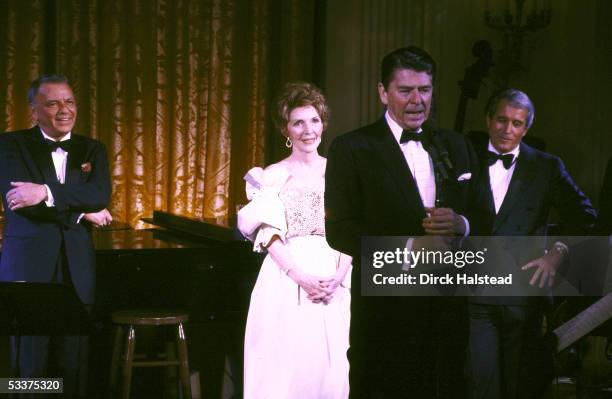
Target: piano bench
{"type": "Point", "coordinates": [126, 323]}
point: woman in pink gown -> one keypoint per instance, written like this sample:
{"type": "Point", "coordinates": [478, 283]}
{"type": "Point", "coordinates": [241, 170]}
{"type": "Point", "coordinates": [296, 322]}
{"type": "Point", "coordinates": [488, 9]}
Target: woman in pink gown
{"type": "Point", "coordinates": [298, 324]}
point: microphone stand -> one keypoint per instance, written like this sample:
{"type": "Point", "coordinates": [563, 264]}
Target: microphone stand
{"type": "Point", "coordinates": [441, 163]}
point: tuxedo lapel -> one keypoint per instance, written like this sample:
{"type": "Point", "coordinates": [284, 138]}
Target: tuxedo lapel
{"type": "Point", "coordinates": [393, 159]}
{"type": "Point", "coordinates": [39, 156]}
{"type": "Point", "coordinates": [520, 181]}
{"type": "Point", "coordinates": [486, 184]}
{"type": "Point", "coordinates": [76, 156]}
{"type": "Point", "coordinates": [484, 206]}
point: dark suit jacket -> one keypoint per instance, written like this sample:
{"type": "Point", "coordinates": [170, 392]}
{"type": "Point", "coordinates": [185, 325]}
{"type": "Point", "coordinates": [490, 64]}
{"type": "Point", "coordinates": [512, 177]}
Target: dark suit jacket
{"type": "Point", "coordinates": [605, 202]}
{"type": "Point", "coordinates": [369, 189]}
{"type": "Point", "coordinates": [539, 183]}
{"type": "Point", "coordinates": [398, 348]}
{"type": "Point", "coordinates": [33, 236]}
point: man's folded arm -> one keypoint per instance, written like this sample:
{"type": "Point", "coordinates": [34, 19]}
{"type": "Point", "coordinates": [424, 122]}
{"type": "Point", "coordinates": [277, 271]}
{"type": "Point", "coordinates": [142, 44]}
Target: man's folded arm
{"type": "Point", "coordinates": [12, 170]}
{"type": "Point", "coordinates": [90, 196]}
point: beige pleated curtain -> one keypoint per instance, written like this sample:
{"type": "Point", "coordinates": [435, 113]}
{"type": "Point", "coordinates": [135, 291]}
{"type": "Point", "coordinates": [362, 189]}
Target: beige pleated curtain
{"type": "Point", "coordinates": [179, 91]}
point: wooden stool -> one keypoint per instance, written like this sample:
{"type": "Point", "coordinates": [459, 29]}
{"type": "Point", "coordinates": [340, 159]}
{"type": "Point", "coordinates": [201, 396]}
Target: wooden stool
{"type": "Point", "coordinates": [131, 319]}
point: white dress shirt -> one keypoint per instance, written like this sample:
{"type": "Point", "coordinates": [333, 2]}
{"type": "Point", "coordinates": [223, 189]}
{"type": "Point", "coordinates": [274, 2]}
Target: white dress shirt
{"type": "Point", "coordinates": [499, 177]}
{"type": "Point", "coordinates": [419, 162]}
{"type": "Point", "coordinates": [421, 167]}
{"type": "Point", "coordinates": [60, 159]}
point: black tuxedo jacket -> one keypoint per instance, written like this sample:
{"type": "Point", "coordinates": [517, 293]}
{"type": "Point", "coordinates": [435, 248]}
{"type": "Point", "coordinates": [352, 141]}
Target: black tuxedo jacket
{"type": "Point", "coordinates": [369, 189]}
{"type": "Point", "coordinates": [605, 202]}
{"type": "Point", "coordinates": [33, 236]}
{"type": "Point", "coordinates": [539, 183]}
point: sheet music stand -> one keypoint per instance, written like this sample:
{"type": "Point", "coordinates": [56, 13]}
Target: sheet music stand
{"type": "Point", "coordinates": [41, 309]}
{"type": "Point", "coordinates": [28, 308]}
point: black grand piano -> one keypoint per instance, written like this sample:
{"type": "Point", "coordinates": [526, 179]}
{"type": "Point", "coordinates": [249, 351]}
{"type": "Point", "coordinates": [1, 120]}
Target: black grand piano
{"type": "Point", "coordinates": [198, 265]}
{"type": "Point", "coordinates": [202, 266]}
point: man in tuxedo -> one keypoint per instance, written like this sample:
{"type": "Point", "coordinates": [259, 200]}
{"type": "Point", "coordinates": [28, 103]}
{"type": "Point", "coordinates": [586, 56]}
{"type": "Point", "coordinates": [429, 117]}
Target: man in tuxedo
{"type": "Point", "coordinates": [54, 185]}
{"type": "Point", "coordinates": [385, 179]}
{"type": "Point", "coordinates": [517, 188]}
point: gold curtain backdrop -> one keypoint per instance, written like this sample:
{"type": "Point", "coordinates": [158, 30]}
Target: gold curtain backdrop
{"type": "Point", "coordinates": [178, 90]}
{"type": "Point", "coordinates": [21, 60]}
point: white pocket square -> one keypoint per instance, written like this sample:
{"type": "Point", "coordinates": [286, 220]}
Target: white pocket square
{"type": "Point", "coordinates": [465, 176]}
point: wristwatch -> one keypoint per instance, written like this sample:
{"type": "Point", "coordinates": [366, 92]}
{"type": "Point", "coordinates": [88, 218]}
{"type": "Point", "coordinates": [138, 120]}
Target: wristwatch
{"type": "Point", "coordinates": [561, 247]}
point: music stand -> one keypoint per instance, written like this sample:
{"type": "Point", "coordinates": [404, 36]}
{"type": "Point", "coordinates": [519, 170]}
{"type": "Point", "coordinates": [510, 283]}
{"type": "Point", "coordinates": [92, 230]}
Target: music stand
{"type": "Point", "coordinates": [28, 308]}
{"type": "Point", "coordinates": [41, 309]}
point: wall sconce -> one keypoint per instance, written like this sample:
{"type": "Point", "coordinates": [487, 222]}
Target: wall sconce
{"type": "Point", "coordinates": [515, 25]}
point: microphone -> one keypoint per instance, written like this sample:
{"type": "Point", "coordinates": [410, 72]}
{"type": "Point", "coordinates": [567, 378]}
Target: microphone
{"type": "Point", "coordinates": [436, 157]}
{"type": "Point", "coordinates": [440, 159]}
{"type": "Point", "coordinates": [429, 127]}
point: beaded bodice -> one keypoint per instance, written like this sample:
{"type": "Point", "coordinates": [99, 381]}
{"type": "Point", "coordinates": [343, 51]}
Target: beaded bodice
{"type": "Point", "coordinates": [304, 211]}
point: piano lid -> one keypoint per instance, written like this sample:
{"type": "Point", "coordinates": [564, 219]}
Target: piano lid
{"type": "Point", "coordinates": [217, 229]}
{"type": "Point", "coordinates": [173, 232]}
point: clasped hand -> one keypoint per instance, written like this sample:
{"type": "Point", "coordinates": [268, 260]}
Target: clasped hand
{"type": "Point", "coordinates": [319, 289]}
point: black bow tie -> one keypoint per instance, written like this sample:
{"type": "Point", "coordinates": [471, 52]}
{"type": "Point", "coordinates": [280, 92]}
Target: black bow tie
{"type": "Point", "coordinates": [54, 145]}
{"type": "Point", "coordinates": [507, 159]}
{"type": "Point", "coordinates": [410, 136]}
